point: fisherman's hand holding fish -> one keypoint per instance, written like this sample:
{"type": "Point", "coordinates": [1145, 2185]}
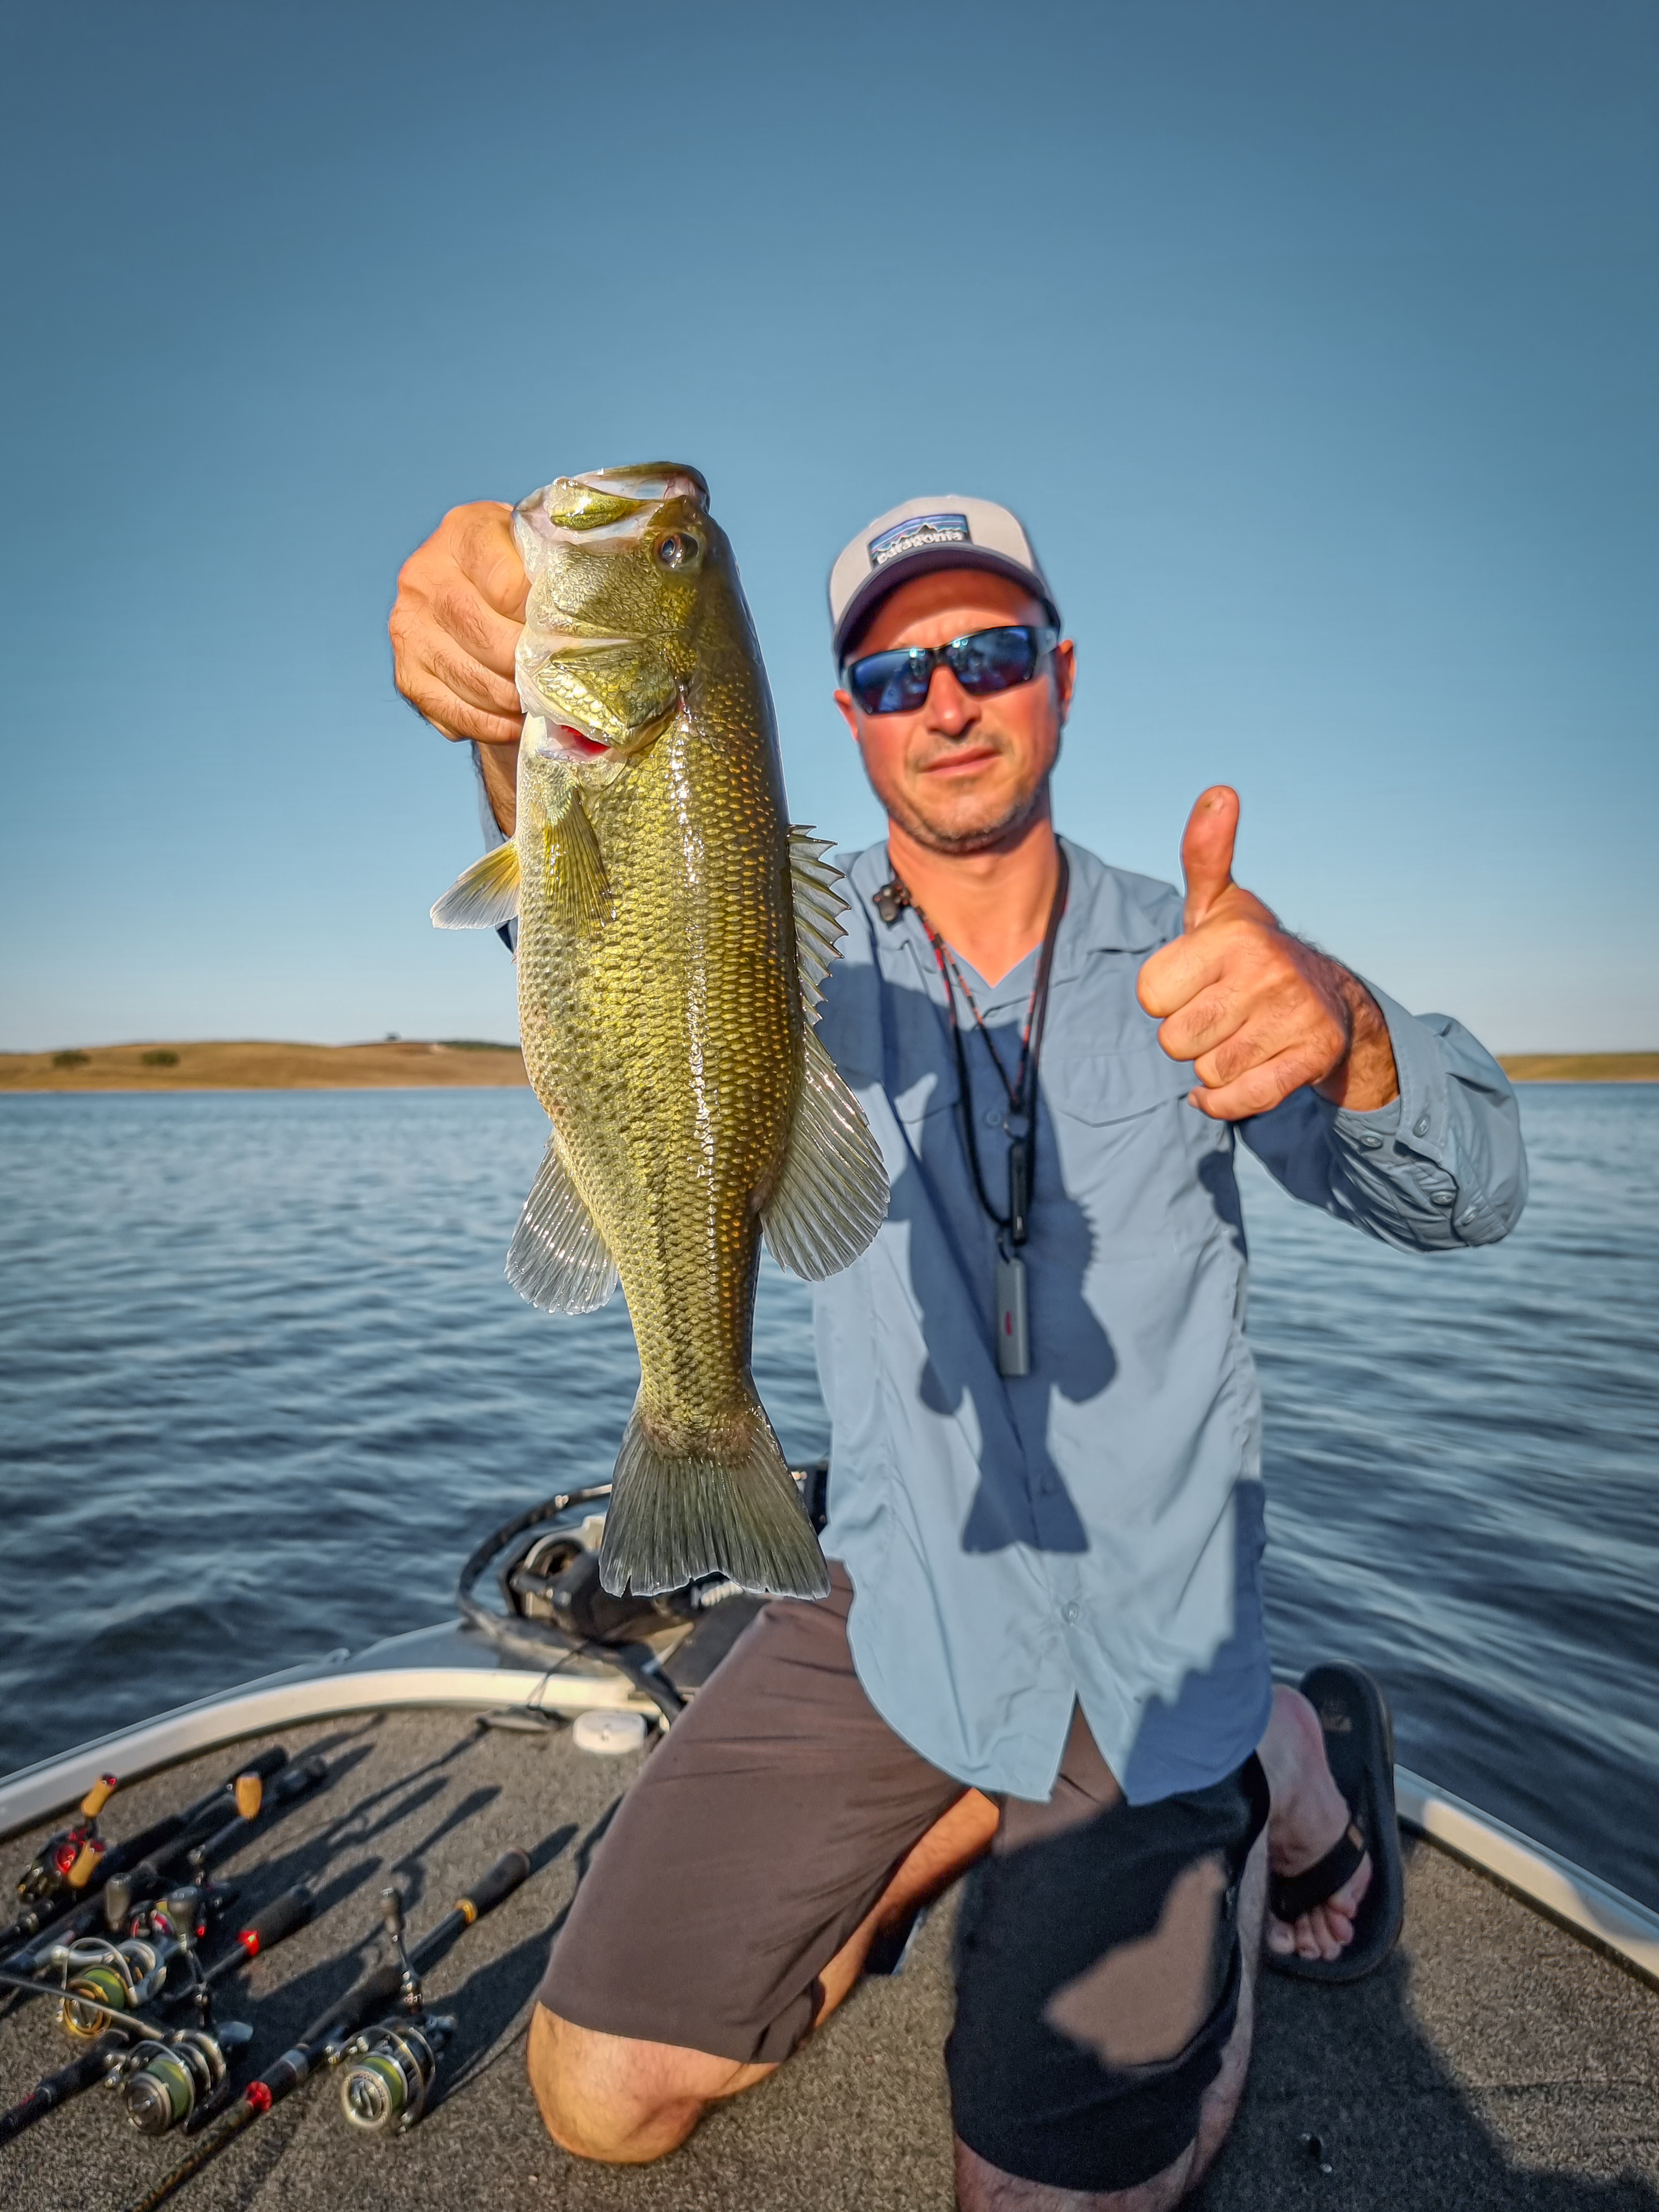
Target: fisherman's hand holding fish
{"type": "Point", "coordinates": [673, 932]}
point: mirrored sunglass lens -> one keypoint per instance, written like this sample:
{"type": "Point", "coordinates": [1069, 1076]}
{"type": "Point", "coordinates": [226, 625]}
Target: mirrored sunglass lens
{"type": "Point", "coordinates": [994, 659]}
{"type": "Point", "coordinates": [890, 683]}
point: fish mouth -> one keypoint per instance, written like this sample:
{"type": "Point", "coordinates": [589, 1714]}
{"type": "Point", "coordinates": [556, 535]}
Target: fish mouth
{"type": "Point", "coordinates": [572, 744]}
{"type": "Point", "coordinates": [609, 505]}
{"type": "Point", "coordinates": [562, 740]}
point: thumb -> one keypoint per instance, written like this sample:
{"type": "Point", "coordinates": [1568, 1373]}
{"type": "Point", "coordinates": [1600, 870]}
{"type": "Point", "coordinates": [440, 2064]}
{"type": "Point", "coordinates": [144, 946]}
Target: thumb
{"type": "Point", "coordinates": [1206, 850]}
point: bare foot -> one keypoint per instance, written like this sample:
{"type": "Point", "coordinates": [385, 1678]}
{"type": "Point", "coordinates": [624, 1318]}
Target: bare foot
{"type": "Point", "coordinates": [1308, 1816]}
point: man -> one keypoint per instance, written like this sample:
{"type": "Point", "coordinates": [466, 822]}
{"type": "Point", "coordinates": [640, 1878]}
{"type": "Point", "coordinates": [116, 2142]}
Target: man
{"type": "Point", "coordinates": [1044, 1638]}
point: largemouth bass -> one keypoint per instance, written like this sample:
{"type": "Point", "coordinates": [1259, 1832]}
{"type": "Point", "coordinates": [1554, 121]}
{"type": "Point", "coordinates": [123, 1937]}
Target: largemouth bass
{"type": "Point", "coordinates": [673, 931]}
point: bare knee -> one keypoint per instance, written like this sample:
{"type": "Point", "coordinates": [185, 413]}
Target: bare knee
{"type": "Point", "coordinates": [618, 2099]}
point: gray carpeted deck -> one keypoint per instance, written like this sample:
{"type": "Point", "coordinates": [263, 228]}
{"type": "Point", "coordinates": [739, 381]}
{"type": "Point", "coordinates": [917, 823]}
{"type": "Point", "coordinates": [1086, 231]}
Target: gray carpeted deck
{"type": "Point", "coordinates": [1494, 2062]}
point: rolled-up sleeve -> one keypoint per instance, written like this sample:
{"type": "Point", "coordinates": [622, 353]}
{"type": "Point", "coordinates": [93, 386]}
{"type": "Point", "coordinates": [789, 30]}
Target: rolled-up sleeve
{"type": "Point", "coordinates": [1442, 1165]}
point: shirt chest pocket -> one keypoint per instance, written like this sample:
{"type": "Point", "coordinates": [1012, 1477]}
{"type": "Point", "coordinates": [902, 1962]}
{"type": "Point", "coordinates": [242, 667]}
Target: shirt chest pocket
{"type": "Point", "coordinates": [1119, 1151]}
{"type": "Point", "coordinates": [1099, 1089]}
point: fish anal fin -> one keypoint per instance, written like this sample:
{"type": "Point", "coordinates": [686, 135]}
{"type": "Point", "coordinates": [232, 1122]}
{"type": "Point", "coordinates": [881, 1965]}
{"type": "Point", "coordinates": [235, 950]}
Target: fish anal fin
{"type": "Point", "coordinates": [719, 1502]}
{"type": "Point", "coordinates": [557, 1258]}
{"type": "Point", "coordinates": [832, 1193]}
{"type": "Point", "coordinates": [485, 896]}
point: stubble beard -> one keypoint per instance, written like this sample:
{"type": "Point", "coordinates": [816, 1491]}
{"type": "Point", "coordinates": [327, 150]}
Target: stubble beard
{"type": "Point", "coordinates": [981, 836]}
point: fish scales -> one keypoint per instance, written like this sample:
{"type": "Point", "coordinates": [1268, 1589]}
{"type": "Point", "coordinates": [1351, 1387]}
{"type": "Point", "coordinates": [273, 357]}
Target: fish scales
{"type": "Point", "coordinates": [671, 931]}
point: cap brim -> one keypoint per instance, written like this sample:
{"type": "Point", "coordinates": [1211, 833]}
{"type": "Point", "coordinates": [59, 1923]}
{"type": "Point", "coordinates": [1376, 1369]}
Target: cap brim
{"type": "Point", "coordinates": [921, 562]}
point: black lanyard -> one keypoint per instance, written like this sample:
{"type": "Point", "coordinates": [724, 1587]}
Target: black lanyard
{"type": "Point", "coordinates": [1014, 1226]}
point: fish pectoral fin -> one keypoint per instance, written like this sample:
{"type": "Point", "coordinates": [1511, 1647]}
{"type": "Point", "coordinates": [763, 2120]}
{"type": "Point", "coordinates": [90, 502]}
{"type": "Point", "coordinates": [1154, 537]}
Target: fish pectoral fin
{"type": "Point", "coordinates": [831, 1195]}
{"type": "Point", "coordinates": [818, 909]}
{"type": "Point", "coordinates": [485, 896]}
{"type": "Point", "coordinates": [578, 889]}
{"type": "Point", "coordinates": [557, 1258]}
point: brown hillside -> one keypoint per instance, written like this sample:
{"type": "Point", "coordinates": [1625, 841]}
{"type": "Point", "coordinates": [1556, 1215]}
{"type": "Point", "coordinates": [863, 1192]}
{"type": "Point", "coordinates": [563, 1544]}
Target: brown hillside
{"type": "Point", "coordinates": [259, 1065]}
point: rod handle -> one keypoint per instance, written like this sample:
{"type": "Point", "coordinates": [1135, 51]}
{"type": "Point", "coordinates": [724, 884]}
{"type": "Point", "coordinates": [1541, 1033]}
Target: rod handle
{"type": "Point", "coordinates": [86, 1863]}
{"type": "Point", "coordinates": [279, 1919]}
{"type": "Point", "coordinates": [294, 1780]}
{"type": "Point", "coordinates": [373, 1995]}
{"type": "Point", "coordinates": [502, 1879]}
{"type": "Point", "coordinates": [99, 1796]}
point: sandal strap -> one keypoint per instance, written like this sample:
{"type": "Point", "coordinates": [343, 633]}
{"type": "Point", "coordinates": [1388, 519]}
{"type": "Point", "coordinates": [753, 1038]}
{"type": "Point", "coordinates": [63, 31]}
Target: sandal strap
{"type": "Point", "coordinates": [1289, 1896]}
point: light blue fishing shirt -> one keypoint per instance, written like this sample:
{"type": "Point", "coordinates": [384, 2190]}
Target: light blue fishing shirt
{"type": "Point", "coordinates": [1092, 1532]}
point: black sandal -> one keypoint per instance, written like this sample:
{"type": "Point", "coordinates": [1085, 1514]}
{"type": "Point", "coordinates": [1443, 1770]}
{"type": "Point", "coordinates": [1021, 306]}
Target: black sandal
{"type": "Point", "coordinates": [1359, 1747]}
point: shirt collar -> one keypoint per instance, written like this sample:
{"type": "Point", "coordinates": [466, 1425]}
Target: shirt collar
{"type": "Point", "coordinates": [1107, 910]}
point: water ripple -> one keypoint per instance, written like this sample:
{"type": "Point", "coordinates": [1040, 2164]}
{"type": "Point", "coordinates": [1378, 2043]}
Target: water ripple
{"type": "Point", "coordinates": [263, 1384]}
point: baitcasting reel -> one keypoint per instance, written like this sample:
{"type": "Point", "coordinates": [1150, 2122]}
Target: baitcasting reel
{"type": "Point", "coordinates": [68, 1860]}
{"type": "Point", "coordinates": [389, 2071]}
{"type": "Point", "coordinates": [163, 2083]}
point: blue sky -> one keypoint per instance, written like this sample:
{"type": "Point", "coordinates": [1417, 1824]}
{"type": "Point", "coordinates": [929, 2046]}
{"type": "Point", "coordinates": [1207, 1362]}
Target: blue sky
{"type": "Point", "coordinates": [1316, 345]}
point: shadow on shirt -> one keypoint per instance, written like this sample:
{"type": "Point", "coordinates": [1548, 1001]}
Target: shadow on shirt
{"type": "Point", "coordinates": [1023, 1497]}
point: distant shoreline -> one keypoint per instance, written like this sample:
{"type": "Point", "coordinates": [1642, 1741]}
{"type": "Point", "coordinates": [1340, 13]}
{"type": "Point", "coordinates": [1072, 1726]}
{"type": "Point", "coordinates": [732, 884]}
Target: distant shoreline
{"type": "Point", "coordinates": [464, 1063]}
{"type": "Point", "coordinates": [260, 1063]}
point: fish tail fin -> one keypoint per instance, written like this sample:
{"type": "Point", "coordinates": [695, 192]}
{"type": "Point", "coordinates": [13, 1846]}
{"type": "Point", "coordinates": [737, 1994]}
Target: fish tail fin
{"type": "Point", "coordinates": [721, 1501]}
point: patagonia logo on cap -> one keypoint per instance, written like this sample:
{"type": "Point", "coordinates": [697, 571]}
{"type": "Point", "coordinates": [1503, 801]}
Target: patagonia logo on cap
{"type": "Point", "coordinates": [917, 531]}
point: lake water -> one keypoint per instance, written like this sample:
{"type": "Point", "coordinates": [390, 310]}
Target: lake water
{"type": "Point", "coordinates": [263, 1386]}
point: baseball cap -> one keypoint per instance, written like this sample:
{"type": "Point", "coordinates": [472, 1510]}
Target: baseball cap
{"type": "Point", "coordinates": [949, 531]}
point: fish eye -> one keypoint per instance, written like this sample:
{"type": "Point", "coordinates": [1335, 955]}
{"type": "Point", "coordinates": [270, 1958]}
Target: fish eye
{"type": "Point", "coordinates": [677, 551]}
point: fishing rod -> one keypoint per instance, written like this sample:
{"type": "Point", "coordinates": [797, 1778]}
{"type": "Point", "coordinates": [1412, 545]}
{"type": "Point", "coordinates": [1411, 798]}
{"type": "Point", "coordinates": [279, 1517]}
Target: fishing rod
{"type": "Point", "coordinates": [164, 2073]}
{"type": "Point", "coordinates": [51, 1891]}
{"type": "Point", "coordinates": [396, 2055]}
{"type": "Point", "coordinates": [110, 1968]}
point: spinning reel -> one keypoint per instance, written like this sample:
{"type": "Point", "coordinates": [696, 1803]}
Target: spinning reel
{"type": "Point", "coordinates": [111, 1977]}
{"type": "Point", "coordinates": [125, 1974]}
{"type": "Point", "coordinates": [391, 2067]}
{"type": "Point", "coordinates": [163, 2084]}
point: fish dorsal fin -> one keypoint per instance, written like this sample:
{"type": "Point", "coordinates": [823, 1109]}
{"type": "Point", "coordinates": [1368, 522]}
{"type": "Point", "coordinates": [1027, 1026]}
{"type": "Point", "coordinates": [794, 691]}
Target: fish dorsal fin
{"type": "Point", "coordinates": [557, 1258]}
{"type": "Point", "coordinates": [485, 896]}
{"type": "Point", "coordinates": [578, 889]}
{"type": "Point", "coordinates": [831, 1195]}
{"type": "Point", "coordinates": [818, 909]}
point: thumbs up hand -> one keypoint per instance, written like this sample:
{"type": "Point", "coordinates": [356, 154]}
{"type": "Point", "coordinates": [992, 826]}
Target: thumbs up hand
{"type": "Point", "coordinates": [1256, 1010]}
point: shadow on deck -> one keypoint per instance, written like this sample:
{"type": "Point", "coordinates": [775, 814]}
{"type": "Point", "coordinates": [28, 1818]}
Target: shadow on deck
{"type": "Point", "coordinates": [1494, 2062]}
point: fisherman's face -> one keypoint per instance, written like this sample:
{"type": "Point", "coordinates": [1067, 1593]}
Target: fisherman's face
{"type": "Point", "coordinates": [957, 774]}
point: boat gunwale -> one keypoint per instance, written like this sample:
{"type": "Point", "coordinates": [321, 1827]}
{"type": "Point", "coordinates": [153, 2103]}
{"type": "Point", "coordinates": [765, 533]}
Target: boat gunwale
{"type": "Point", "coordinates": [464, 1674]}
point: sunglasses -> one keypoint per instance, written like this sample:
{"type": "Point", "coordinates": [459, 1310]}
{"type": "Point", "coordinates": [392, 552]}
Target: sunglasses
{"type": "Point", "coordinates": [984, 662]}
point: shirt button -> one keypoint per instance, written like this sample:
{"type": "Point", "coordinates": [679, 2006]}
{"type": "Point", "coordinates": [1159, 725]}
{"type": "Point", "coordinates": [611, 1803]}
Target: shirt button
{"type": "Point", "coordinates": [1068, 1611]}
{"type": "Point", "coordinates": [1445, 1197]}
{"type": "Point", "coordinates": [993, 1119]}
{"type": "Point", "coordinates": [1371, 1144]}
{"type": "Point", "coordinates": [1420, 1126]}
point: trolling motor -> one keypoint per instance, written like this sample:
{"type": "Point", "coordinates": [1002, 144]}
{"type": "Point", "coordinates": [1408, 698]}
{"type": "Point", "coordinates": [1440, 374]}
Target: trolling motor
{"type": "Point", "coordinates": [548, 1573]}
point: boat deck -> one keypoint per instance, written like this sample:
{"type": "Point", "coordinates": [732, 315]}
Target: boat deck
{"type": "Point", "coordinates": [1495, 2062]}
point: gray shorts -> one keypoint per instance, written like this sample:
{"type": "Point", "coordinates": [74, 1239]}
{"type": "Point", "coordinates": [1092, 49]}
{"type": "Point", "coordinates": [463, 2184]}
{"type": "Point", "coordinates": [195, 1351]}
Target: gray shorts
{"type": "Point", "coordinates": [1098, 1974]}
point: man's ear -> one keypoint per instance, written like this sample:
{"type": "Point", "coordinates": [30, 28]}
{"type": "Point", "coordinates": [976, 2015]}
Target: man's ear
{"type": "Point", "coordinates": [849, 713]}
{"type": "Point", "coordinates": [1064, 675]}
